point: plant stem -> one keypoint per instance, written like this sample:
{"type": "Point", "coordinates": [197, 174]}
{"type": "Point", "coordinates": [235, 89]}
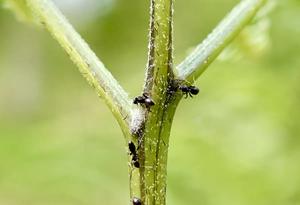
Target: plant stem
{"type": "Point", "coordinates": [206, 52]}
{"type": "Point", "coordinates": [154, 139]}
{"type": "Point", "coordinates": [89, 65]}
{"type": "Point", "coordinates": [148, 128]}
{"type": "Point", "coordinates": [160, 56]}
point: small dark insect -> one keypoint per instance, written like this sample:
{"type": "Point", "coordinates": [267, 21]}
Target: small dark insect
{"type": "Point", "coordinates": [132, 148]}
{"type": "Point", "coordinates": [189, 90]}
{"type": "Point", "coordinates": [144, 99]}
{"type": "Point", "coordinates": [136, 201]}
{"type": "Point", "coordinates": [135, 159]}
{"type": "Point", "coordinates": [139, 99]}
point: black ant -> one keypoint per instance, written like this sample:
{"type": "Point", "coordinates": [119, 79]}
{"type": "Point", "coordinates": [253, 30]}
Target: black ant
{"type": "Point", "coordinates": [135, 159]}
{"type": "Point", "coordinates": [144, 99]}
{"type": "Point", "coordinates": [136, 201]}
{"type": "Point", "coordinates": [189, 90]}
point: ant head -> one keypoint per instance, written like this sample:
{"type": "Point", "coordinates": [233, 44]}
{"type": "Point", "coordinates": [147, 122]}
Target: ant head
{"type": "Point", "coordinates": [138, 99]}
{"type": "Point", "coordinates": [194, 90]}
{"type": "Point", "coordinates": [135, 101]}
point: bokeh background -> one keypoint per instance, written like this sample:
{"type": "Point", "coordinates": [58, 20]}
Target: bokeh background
{"type": "Point", "coordinates": [236, 143]}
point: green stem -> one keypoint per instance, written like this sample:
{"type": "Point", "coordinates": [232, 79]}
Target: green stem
{"type": "Point", "coordinates": [160, 56]}
{"type": "Point", "coordinates": [149, 128]}
{"type": "Point", "coordinates": [154, 139]}
{"type": "Point", "coordinates": [206, 52]}
{"type": "Point", "coordinates": [89, 65]}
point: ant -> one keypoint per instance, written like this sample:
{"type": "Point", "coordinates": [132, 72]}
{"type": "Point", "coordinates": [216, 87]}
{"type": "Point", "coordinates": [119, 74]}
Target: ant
{"type": "Point", "coordinates": [136, 201]}
{"type": "Point", "coordinates": [189, 90]}
{"type": "Point", "coordinates": [144, 99]}
{"type": "Point", "coordinates": [135, 159]}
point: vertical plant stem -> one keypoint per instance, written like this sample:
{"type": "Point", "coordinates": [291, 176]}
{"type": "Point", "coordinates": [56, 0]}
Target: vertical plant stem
{"type": "Point", "coordinates": [160, 56]}
{"type": "Point", "coordinates": [155, 136]}
{"type": "Point", "coordinates": [152, 137]}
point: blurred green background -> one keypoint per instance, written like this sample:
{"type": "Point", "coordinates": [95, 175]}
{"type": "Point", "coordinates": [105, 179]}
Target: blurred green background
{"type": "Point", "coordinates": [236, 143]}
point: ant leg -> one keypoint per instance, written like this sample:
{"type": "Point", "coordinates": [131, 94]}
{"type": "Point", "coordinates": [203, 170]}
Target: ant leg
{"type": "Point", "coordinates": [148, 109]}
{"type": "Point", "coordinates": [190, 95]}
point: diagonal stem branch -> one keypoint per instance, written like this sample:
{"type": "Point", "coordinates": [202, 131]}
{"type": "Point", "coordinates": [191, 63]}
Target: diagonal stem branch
{"type": "Point", "coordinates": [205, 53]}
{"type": "Point", "coordinates": [89, 65]}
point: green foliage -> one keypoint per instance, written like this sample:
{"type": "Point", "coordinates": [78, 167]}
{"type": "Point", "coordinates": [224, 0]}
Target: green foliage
{"type": "Point", "coordinates": [20, 9]}
{"type": "Point", "coordinates": [236, 143]}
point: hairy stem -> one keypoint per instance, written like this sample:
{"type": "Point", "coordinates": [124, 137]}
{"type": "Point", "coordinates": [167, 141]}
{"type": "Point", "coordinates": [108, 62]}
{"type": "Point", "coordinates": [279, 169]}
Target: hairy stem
{"type": "Point", "coordinates": [153, 135]}
{"type": "Point", "coordinates": [160, 75]}
{"type": "Point", "coordinates": [89, 65]}
{"type": "Point", "coordinates": [149, 127]}
{"type": "Point", "coordinates": [160, 56]}
{"type": "Point", "coordinates": [206, 52]}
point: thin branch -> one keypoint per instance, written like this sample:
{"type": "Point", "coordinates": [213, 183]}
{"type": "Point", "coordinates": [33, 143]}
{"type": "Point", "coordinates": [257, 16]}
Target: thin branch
{"type": "Point", "coordinates": [89, 65]}
{"type": "Point", "coordinates": [205, 53]}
